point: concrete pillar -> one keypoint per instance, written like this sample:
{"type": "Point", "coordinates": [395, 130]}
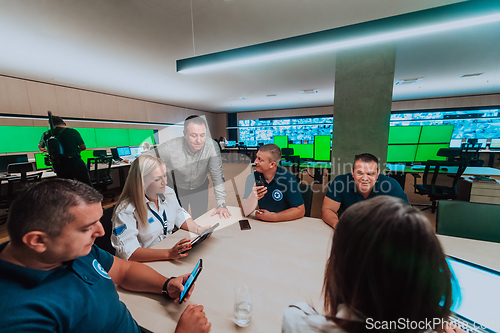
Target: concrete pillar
{"type": "Point", "coordinates": [364, 79]}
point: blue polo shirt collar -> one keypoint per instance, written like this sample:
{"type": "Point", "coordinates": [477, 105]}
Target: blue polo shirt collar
{"type": "Point", "coordinates": [279, 171]}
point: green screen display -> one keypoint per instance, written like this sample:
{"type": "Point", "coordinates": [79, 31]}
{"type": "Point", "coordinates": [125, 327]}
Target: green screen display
{"type": "Point", "coordinates": [88, 136]}
{"type": "Point", "coordinates": [436, 134]}
{"type": "Point", "coordinates": [40, 161]}
{"type": "Point", "coordinates": [322, 147]}
{"type": "Point", "coordinates": [303, 150]}
{"type": "Point", "coordinates": [86, 154]}
{"type": "Point", "coordinates": [404, 134]}
{"type": "Point", "coordinates": [429, 152]}
{"type": "Point", "coordinates": [112, 137]}
{"type": "Point", "coordinates": [401, 153]}
{"type": "Point", "coordinates": [139, 136]}
{"type": "Point", "coordinates": [281, 141]}
{"type": "Point", "coordinates": [20, 138]}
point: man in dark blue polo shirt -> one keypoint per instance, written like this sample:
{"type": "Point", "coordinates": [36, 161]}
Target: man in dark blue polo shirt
{"type": "Point", "coordinates": [279, 197]}
{"type": "Point", "coordinates": [364, 182]}
{"type": "Point", "coordinates": [52, 277]}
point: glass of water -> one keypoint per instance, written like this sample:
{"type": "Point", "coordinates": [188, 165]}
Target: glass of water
{"type": "Point", "coordinates": [242, 305]}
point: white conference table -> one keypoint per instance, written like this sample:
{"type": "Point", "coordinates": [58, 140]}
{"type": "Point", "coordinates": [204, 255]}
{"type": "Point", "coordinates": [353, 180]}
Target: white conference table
{"type": "Point", "coordinates": [283, 263]}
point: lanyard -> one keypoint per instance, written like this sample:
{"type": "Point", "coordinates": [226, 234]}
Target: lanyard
{"type": "Point", "coordinates": [163, 222]}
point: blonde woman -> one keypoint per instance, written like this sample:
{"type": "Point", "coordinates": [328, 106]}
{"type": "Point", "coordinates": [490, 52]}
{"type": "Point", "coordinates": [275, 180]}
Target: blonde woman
{"type": "Point", "coordinates": [147, 212]}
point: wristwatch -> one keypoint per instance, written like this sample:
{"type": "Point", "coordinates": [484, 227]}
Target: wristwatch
{"type": "Point", "coordinates": [223, 205]}
{"type": "Point", "coordinates": [164, 290]}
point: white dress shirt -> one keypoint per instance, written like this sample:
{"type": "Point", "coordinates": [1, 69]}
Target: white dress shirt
{"type": "Point", "coordinates": [128, 235]}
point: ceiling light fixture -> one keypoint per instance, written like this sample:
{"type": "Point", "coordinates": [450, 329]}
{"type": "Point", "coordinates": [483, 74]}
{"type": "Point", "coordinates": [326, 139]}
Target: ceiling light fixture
{"type": "Point", "coordinates": [408, 81]}
{"type": "Point", "coordinates": [471, 75]}
{"type": "Point", "coordinates": [309, 91]}
{"type": "Point", "coordinates": [450, 17]}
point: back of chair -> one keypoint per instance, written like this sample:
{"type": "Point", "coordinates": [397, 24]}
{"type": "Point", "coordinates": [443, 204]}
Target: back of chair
{"type": "Point", "coordinates": [295, 159]}
{"type": "Point", "coordinates": [101, 177]}
{"type": "Point", "coordinates": [469, 220]}
{"type": "Point", "coordinates": [307, 195]}
{"type": "Point", "coordinates": [104, 242]}
{"type": "Point", "coordinates": [21, 168]}
{"type": "Point", "coordinates": [455, 169]}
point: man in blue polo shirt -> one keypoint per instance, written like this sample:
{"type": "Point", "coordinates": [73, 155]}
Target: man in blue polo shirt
{"type": "Point", "coordinates": [278, 194]}
{"type": "Point", "coordinates": [364, 182]}
{"type": "Point", "coordinates": [52, 277]}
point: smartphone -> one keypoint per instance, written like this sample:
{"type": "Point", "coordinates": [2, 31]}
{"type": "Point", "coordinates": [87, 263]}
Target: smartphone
{"type": "Point", "coordinates": [260, 182]}
{"type": "Point", "coordinates": [244, 225]}
{"type": "Point", "coordinates": [192, 278]}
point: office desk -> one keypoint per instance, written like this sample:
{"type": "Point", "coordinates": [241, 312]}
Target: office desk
{"type": "Point", "coordinates": [121, 167]}
{"type": "Point", "coordinates": [479, 171]}
{"type": "Point", "coordinates": [479, 252]}
{"type": "Point", "coordinates": [283, 263]}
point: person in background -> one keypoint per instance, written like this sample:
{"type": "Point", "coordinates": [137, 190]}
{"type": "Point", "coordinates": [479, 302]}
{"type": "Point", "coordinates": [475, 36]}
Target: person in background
{"type": "Point", "coordinates": [189, 159]}
{"type": "Point", "coordinates": [52, 277]}
{"type": "Point", "coordinates": [222, 142]}
{"type": "Point", "coordinates": [385, 263]}
{"type": "Point", "coordinates": [278, 194]}
{"type": "Point", "coordinates": [70, 165]}
{"type": "Point", "coordinates": [364, 182]}
{"type": "Point", "coordinates": [147, 212]}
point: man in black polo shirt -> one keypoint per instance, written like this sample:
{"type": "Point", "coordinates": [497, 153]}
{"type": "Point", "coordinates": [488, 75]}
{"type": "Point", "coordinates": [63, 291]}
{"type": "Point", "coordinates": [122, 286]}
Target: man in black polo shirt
{"type": "Point", "coordinates": [279, 197]}
{"type": "Point", "coordinates": [70, 165]}
{"type": "Point", "coordinates": [364, 182]}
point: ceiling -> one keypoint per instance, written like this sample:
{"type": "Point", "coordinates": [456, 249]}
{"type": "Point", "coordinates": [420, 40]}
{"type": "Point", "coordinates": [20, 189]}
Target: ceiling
{"type": "Point", "coordinates": [130, 47]}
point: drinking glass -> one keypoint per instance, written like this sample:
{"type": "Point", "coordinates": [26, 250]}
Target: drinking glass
{"type": "Point", "coordinates": [242, 305]}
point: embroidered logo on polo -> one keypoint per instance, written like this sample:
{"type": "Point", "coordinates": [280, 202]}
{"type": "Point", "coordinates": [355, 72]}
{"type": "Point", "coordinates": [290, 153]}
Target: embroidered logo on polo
{"type": "Point", "coordinates": [101, 271]}
{"type": "Point", "coordinates": [119, 230]}
{"type": "Point", "coordinates": [277, 195]}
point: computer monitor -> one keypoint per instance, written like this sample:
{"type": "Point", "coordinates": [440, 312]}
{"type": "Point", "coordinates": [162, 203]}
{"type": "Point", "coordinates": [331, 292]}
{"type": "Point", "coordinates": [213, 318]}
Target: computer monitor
{"type": "Point", "coordinates": [322, 144]}
{"type": "Point", "coordinates": [123, 151]}
{"type": "Point", "coordinates": [477, 294]}
{"type": "Point", "coordinates": [135, 151]}
{"type": "Point", "coordinates": [281, 141]}
{"type": "Point", "coordinates": [304, 151]}
{"type": "Point", "coordinates": [86, 154]}
{"type": "Point", "coordinates": [482, 142]}
{"type": "Point", "coordinates": [231, 144]}
{"type": "Point", "coordinates": [41, 160]}
{"type": "Point", "coordinates": [401, 153]}
{"type": "Point", "coordinates": [495, 143]}
{"type": "Point", "coordinates": [436, 134]}
{"type": "Point", "coordinates": [5, 160]}
{"type": "Point", "coordinates": [456, 143]}
{"type": "Point", "coordinates": [429, 152]}
{"type": "Point", "coordinates": [100, 152]}
{"type": "Point", "coordinates": [404, 134]}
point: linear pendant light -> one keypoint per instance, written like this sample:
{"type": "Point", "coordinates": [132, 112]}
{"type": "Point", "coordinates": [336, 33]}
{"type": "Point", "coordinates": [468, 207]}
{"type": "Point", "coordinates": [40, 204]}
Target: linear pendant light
{"type": "Point", "coordinates": [430, 21]}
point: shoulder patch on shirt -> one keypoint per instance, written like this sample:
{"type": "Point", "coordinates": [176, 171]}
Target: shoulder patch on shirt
{"type": "Point", "coordinates": [119, 230]}
{"type": "Point", "coordinates": [277, 195]}
{"type": "Point", "coordinates": [151, 220]}
{"type": "Point", "coordinates": [101, 271]}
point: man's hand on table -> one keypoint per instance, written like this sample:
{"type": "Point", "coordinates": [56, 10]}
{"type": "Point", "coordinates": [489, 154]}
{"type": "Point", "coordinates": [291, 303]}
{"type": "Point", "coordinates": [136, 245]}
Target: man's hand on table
{"type": "Point", "coordinates": [193, 320]}
{"type": "Point", "coordinates": [265, 215]}
{"type": "Point", "coordinates": [222, 212]}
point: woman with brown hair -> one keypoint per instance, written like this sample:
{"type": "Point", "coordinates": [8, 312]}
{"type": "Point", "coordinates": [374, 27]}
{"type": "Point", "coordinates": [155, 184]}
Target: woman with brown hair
{"type": "Point", "coordinates": [147, 212]}
{"type": "Point", "coordinates": [386, 271]}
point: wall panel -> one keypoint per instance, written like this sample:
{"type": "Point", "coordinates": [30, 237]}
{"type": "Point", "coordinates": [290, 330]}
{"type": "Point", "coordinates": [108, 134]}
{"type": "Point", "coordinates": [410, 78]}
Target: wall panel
{"type": "Point", "coordinates": [42, 98]}
{"type": "Point", "coordinates": [14, 96]}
